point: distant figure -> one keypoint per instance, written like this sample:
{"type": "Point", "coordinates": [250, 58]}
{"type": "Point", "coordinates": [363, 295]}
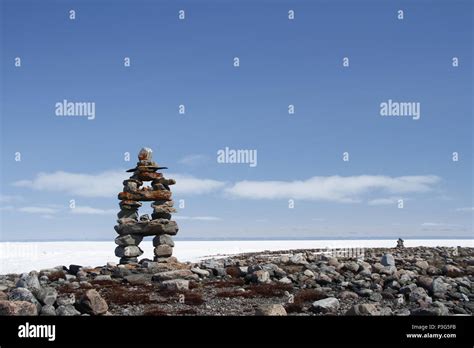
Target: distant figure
{"type": "Point", "coordinates": [400, 243]}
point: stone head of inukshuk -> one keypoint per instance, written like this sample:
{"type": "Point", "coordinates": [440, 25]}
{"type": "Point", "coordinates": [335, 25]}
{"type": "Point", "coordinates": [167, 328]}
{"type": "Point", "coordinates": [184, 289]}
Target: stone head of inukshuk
{"type": "Point", "coordinates": [131, 226]}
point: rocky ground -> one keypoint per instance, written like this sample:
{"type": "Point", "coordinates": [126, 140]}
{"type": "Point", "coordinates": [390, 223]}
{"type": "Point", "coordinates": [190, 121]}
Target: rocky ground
{"type": "Point", "coordinates": [398, 281]}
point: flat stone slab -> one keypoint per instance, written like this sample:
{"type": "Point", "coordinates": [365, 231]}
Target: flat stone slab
{"type": "Point", "coordinates": [147, 228]}
{"type": "Point", "coordinates": [145, 195]}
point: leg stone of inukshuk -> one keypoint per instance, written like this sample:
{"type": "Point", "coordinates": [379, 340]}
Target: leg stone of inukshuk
{"type": "Point", "coordinates": [127, 248]}
{"type": "Point", "coordinates": [132, 227]}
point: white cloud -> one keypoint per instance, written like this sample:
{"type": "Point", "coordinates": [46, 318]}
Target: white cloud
{"type": "Point", "coordinates": [92, 211]}
{"type": "Point", "coordinates": [465, 209]}
{"type": "Point", "coordinates": [437, 224]}
{"type": "Point", "coordinates": [384, 201]}
{"type": "Point", "coordinates": [192, 160]}
{"type": "Point", "coordinates": [332, 188]}
{"type": "Point", "coordinates": [189, 185]}
{"type": "Point", "coordinates": [109, 184]}
{"type": "Point", "coordinates": [7, 207]}
{"type": "Point", "coordinates": [105, 184]}
{"type": "Point", "coordinates": [10, 198]}
{"type": "Point", "coordinates": [198, 218]}
{"type": "Point", "coordinates": [38, 210]}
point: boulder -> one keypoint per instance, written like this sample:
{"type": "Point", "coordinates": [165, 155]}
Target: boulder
{"type": "Point", "coordinates": [387, 260]}
{"type": "Point", "coordinates": [363, 309]}
{"type": "Point", "coordinates": [175, 284]}
{"type": "Point", "coordinates": [423, 265]}
{"type": "Point", "coordinates": [327, 305]}
{"type": "Point", "coordinates": [47, 296]}
{"type": "Point", "coordinates": [261, 276]}
{"type": "Point", "coordinates": [271, 310]}
{"type": "Point", "coordinates": [66, 299]}
{"type": "Point", "coordinates": [351, 266]}
{"type": "Point", "coordinates": [128, 251]}
{"type": "Point", "coordinates": [200, 272]}
{"type": "Point", "coordinates": [176, 274]}
{"type": "Point", "coordinates": [23, 294]}
{"type": "Point", "coordinates": [425, 282]}
{"type": "Point", "coordinates": [138, 279]}
{"type": "Point", "coordinates": [128, 239]}
{"type": "Point", "coordinates": [18, 308]}
{"type": "Point", "coordinates": [73, 269]}
{"type": "Point", "coordinates": [93, 303]}
{"type": "Point", "coordinates": [163, 250]}
{"type": "Point", "coordinates": [439, 287]}
{"type": "Point", "coordinates": [164, 239]}
{"type": "Point", "coordinates": [67, 310]}
{"type": "Point", "coordinates": [48, 310]}
{"type": "Point", "coordinates": [298, 259]}
{"type": "Point", "coordinates": [147, 228]}
{"type": "Point", "coordinates": [452, 271]}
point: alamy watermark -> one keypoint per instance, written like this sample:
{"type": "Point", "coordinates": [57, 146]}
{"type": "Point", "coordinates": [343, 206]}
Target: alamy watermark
{"type": "Point", "coordinates": [68, 108]}
{"type": "Point", "coordinates": [403, 109]}
{"type": "Point", "coordinates": [245, 156]}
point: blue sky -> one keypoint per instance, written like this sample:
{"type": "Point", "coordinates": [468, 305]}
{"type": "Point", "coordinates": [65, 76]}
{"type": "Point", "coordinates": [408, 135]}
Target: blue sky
{"type": "Point", "coordinates": [282, 62]}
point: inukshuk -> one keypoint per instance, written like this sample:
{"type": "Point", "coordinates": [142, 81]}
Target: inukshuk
{"type": "Point", "coordinates": [132, 227]}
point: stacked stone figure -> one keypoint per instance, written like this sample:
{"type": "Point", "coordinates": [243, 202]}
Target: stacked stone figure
{"type": "Point", "coordinates": [400, 243]}
{"type": "Point", "coordinates": [131, 226]}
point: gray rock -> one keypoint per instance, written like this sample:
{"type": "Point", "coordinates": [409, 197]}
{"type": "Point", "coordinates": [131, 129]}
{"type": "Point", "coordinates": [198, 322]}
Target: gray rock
{"type": "Point", "coordinates": [175, 284]}
{"type": "Point", "coordinates": [66, 299]}
{"type": "Point", "coordinates": [128, 251]}
{"type": "Point", "coordinates": [212, 264]}
{"type": "Point", "coordinates": [418, 294]}
{"type": "Point", "coordinates": [271, 310]}
{"type": "Point", "coordinates": [285, 280]}
{"type": "Point", "coordinates": [176, 274]}
{"type": "Point", "coordinates": [327, 305]}
{"type": "Point", "coordinates": [70, 277]}
{"type": "Point", "coordinates": [365, 292]}
{"type": "Point", "coordinates": [92, 303]}
{"type": "Point", "coordinates": [376, 297]}
{"type": "Point", "coordinates": [348, 295]}
{"type": "Point", "coordinates": [22, 294]}
{"type": "Point", "coordinates": [261, 276]}
{"type": "Point", "coordinates": [81, 275]}
{"type": "Point", "coordinates": [67, 310]}
{"type": "Point", "coordinates": [422, 265]}
{"type": "Point", "coordinates": [48, 310]}
{"type": "Point", "coordinates": [29, 281]}
{"type": "Point", "coordinates": [388, 270]}
{"type": "Point", "coordinates": [103, 277]}
{"type": "Point", "coordinates": [200, 272]}
{"type": "Point", "coordinates": [351, 266]}
{"type": "Point", "coordinates": [163, 250]}
{"type": "Point", "coordinates": [47, 296]}
{"type": "Point", "coordinates": [387, 260]}
{"type": "Point", "coordinates": [128, 239]}
{"type": "Point", "coordinates": [138, 279]}
{"type": "Point", "coordinates": [439, 287]}
{"type": "Point", "coordinates": [437, 309]}
{"type": "Point", "coordinates": [163, 240]}
{"type": "Point", "coordinates": [363, 309]}
{"type": "Point", "coordinates": [298, 259]}
{"type": "Point", "coordinates": [18, 308]}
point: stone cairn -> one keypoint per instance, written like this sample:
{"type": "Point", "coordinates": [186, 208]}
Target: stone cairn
{"type": "Point", "coordinates": [400, 243]}
{"type": "Point", "coordinates": [131, 227]}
